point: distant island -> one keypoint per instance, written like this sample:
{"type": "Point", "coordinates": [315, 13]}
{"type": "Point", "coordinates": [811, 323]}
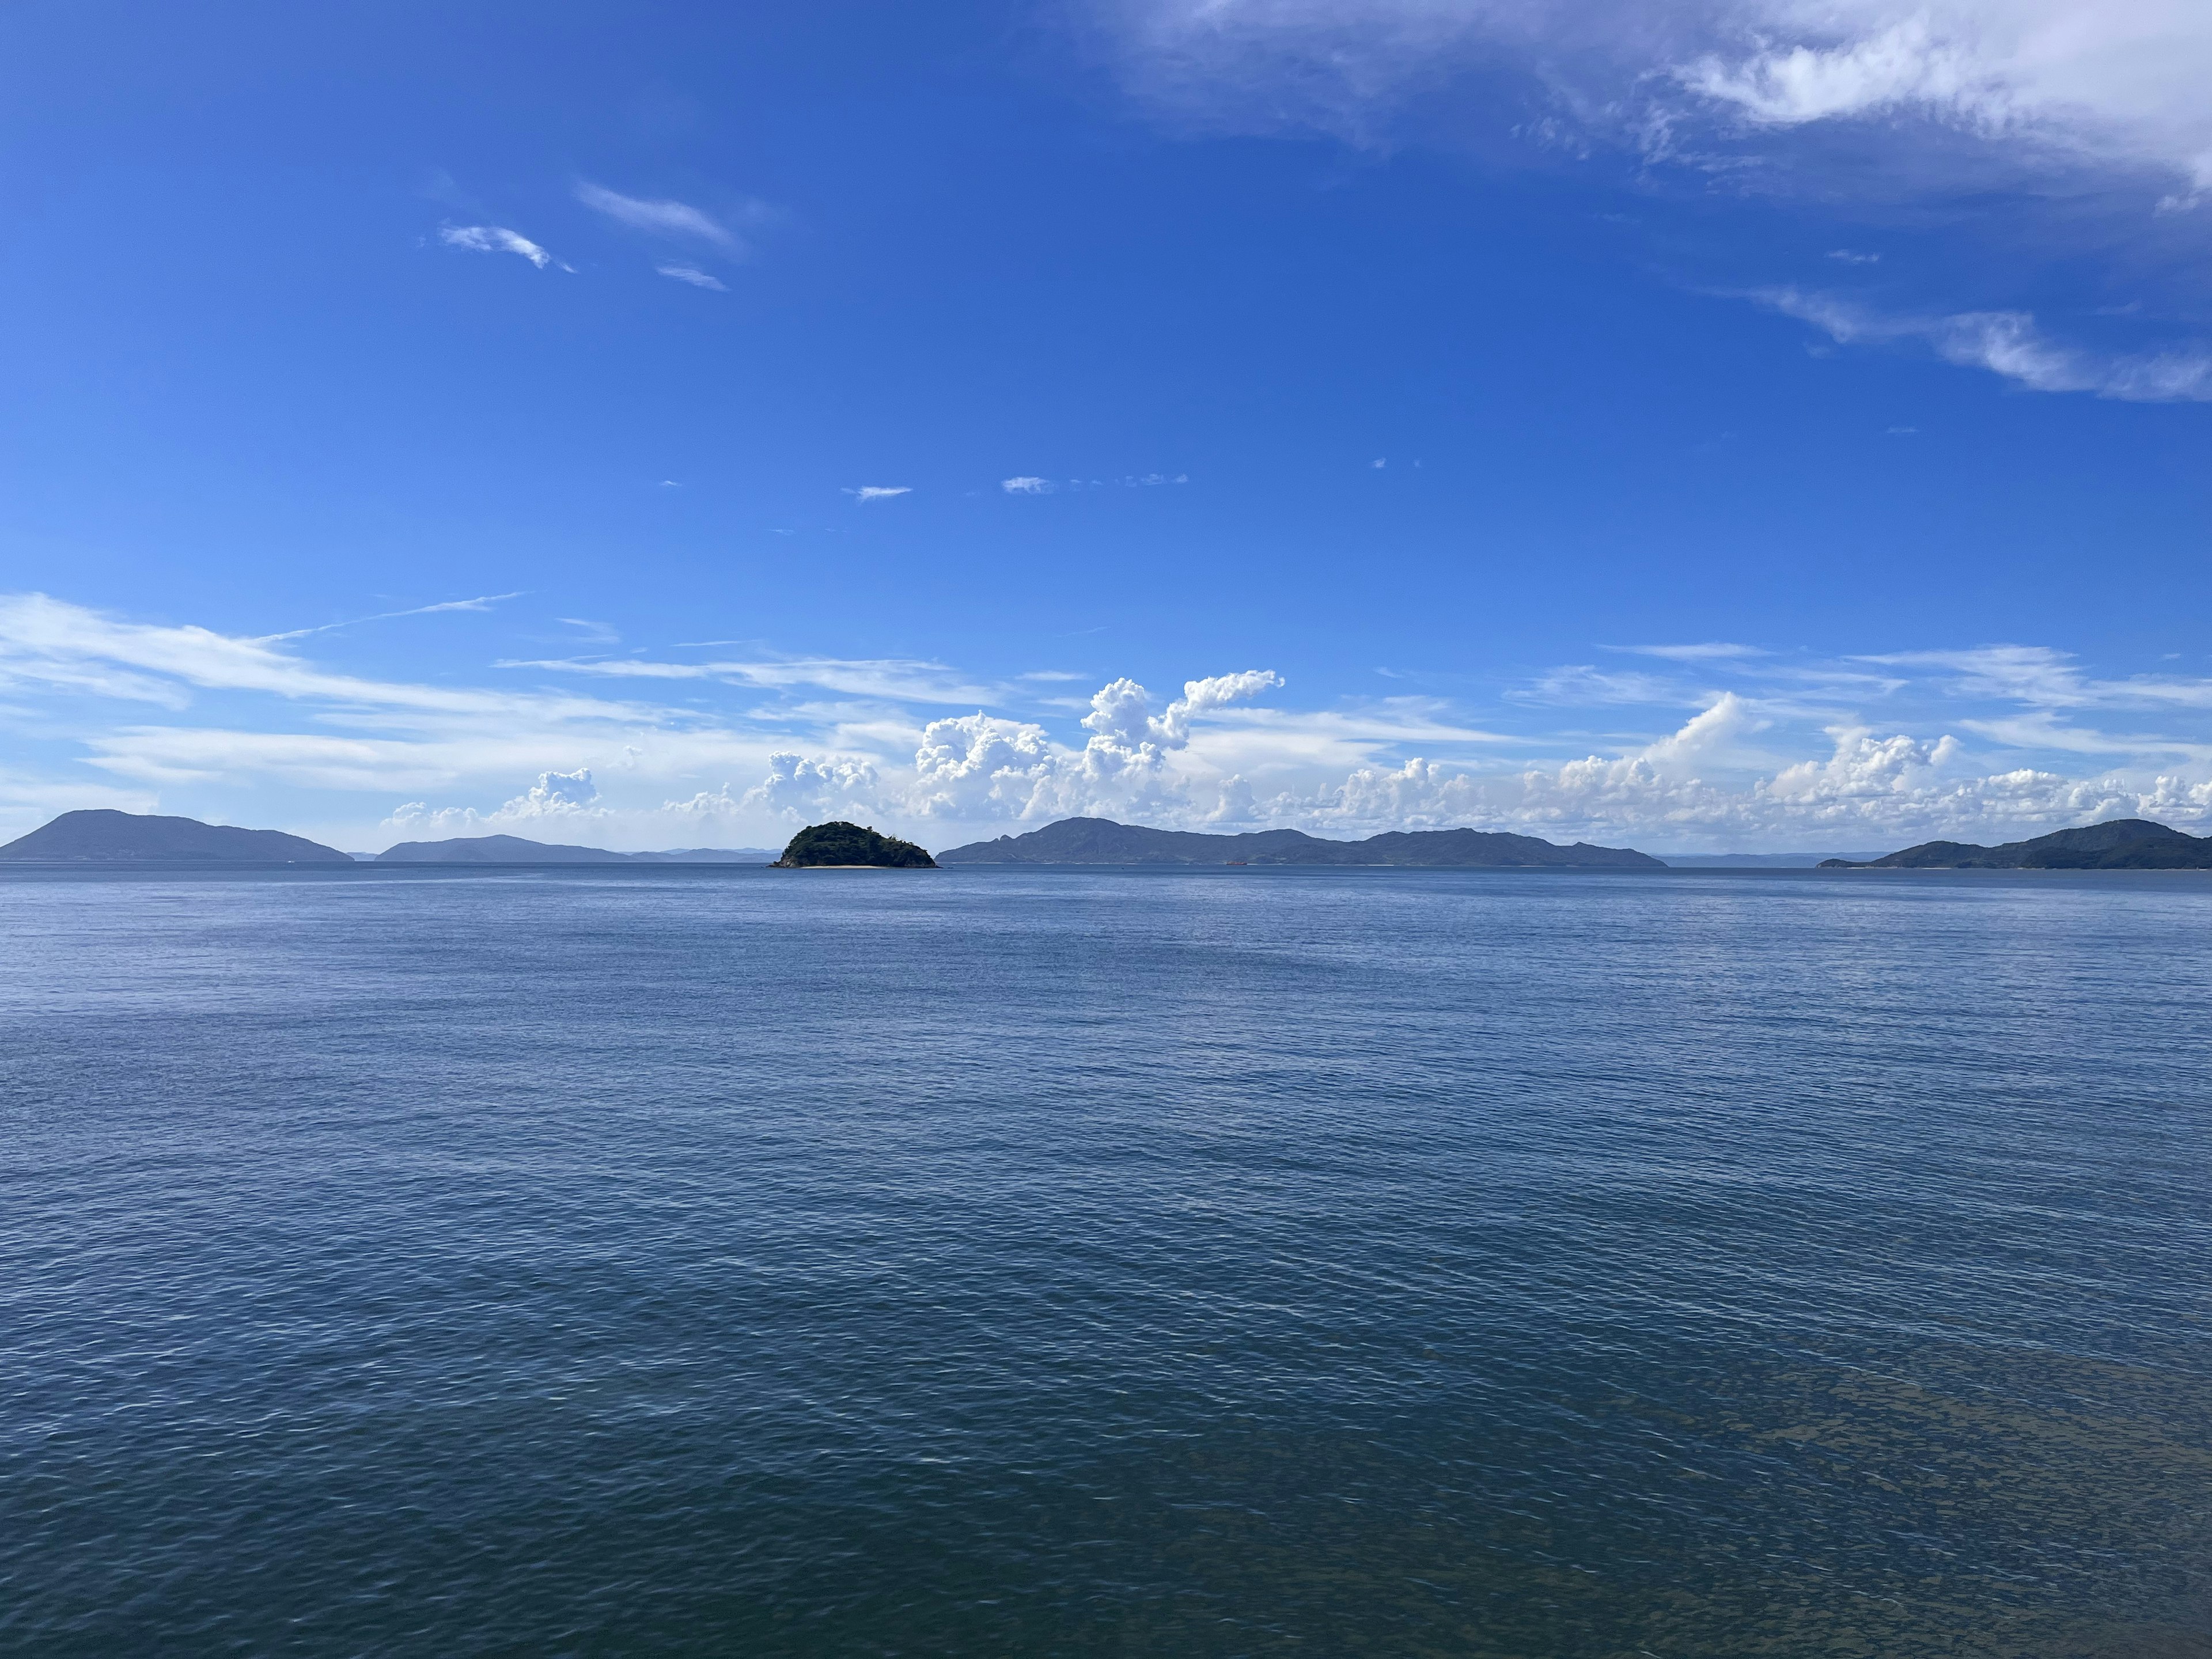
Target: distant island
{"type": "Point", "coordinates": [513, 849]}
{"type": "Point", "coordinates": [101, 836]}
{"type": "Point", "coordinates": [2120, 844]}
{"type": "Point", "coordinates": [1102, 841]}
{"type": "Point", "coordinates": [1753, 860]}
{"type": "Point", "coordinates": [839, 845]}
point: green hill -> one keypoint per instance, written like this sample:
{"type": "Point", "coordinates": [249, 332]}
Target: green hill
{"type": "Point", "coordinates": [1102, 841]}
{"type": "Point", "coordinates": [2116, 844]}
{"type": "Point", "coordinates": [100, 835]}
{"type": "Point", "coordinates": [839, 844]}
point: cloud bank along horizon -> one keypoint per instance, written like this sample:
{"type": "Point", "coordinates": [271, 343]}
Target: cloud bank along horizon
{"type": "Point", "coordinates": [1770, 753]}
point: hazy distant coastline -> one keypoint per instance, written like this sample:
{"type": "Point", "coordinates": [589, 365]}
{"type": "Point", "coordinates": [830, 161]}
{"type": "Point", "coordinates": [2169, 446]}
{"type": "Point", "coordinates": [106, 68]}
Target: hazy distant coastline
{"type": "Point", "coordinates": [513, 849]}
{"type": "Point", "coordinates": [101, 836]}
{"type": "Point", "coordinates": [104, 837]}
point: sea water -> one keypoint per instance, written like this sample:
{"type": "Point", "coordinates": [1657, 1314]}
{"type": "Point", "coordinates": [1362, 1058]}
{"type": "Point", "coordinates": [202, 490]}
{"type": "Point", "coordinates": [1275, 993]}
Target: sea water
{"type": "Point", "coordinates": [998, 1261]}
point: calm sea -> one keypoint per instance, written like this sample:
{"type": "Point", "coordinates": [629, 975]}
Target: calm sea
{"type": "Point", "coordinates": [1003, 1261]}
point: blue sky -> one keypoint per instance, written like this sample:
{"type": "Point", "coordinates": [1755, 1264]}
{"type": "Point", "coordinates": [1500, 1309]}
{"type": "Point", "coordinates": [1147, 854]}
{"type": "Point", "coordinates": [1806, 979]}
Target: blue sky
{"type": "Point", "coordinates": [1746, 426]}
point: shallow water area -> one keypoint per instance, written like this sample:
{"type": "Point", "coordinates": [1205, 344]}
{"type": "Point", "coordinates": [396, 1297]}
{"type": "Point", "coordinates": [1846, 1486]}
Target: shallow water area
{"type": "Point", "coordinates": [689, 1260]}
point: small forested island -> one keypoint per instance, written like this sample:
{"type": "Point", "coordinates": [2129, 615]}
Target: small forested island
{"type": "Point", "coordinates": [2120, 844]}
{"type": "Point", "coordinates": [101, 836]}
{"type": "Point", "coordinates": [1102, 841]}
{"type": "Point", "coordinates": [841, 845]}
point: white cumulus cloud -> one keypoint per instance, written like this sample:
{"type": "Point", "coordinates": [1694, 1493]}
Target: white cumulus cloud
{"type": "Point", "coordinates": [798, 787]}
{"type": "Point", "coordinates": [978, 766]}
{"type": "Point", "coordinates": [557, 793]}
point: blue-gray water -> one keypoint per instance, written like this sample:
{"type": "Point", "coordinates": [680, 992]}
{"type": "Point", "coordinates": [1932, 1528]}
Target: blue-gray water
{"type": "Point", "coordinates": [685, 1261]}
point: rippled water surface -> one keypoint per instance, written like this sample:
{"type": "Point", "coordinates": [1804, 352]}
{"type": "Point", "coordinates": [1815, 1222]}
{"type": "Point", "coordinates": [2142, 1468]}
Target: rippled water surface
{"type": "Point", "coordinates": [1233, 1261]}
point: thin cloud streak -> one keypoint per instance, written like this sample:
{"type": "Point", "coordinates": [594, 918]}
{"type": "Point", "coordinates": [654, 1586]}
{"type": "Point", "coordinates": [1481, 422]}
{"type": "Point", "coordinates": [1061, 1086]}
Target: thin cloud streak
{"type": "Point", "coordinates": [661, 217]}
{"type": "Point", "coordinates": [2042, 677]}
{"type": "Point", "coordinates": [2009, 344]}
{"type": "Point", "coordinates": [1716, 651]}
{"type": "Point", "coordinates": [896, 679]}
{"type": "Point", "coordinates": [50, 641]}
{"type": "Point", "coordinates": [1027, 485]}
{"type": "Point", "coordinates": [695, 276]}
{"type": "Point", "coordinates": [497, 238]}
{"type": "Point", "coordinates": [483, 601]}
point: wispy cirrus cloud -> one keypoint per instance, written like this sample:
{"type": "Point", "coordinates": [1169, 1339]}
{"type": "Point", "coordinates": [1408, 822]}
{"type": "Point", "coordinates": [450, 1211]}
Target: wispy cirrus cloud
{"type": "Point", "coordinates": [497, 238]}
{"type": "Point", "coordinates": [2049, 80]}
{"type": "Point", "coordinates": [896, 679]}
{"type": "Point", "coordinates": [667, 217]}
{"type": "Point", "coordinates": [2044, 731]}
{"type": "Point", "coordinates": [2041, 677]}
{"type": "Point", "coordinates": [1712, 651]}
{"type": "Point", "coordinates": [695, 276]}
{"type": "Point", "coordinates": [293, 722]}
{"type": "Point", "coordinates": [2080, 132]}
{"type": "Point", "coordinates": [2030, 676]}
{"type": "Point", "coordinates": [44, 641]}
{"type": "Point", "coordinates": [2051, 83]}
{"type": "Point", "coordinates": [879, 492]}
{"type": "Point", "coordinates": [2009, 344]}
{"type": "Point", "coordinates": [1878, 69]}
{"type": "Point", "coordinates": [1583, 684]}
{"type": "Point", "coordinates": [481, 602]}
